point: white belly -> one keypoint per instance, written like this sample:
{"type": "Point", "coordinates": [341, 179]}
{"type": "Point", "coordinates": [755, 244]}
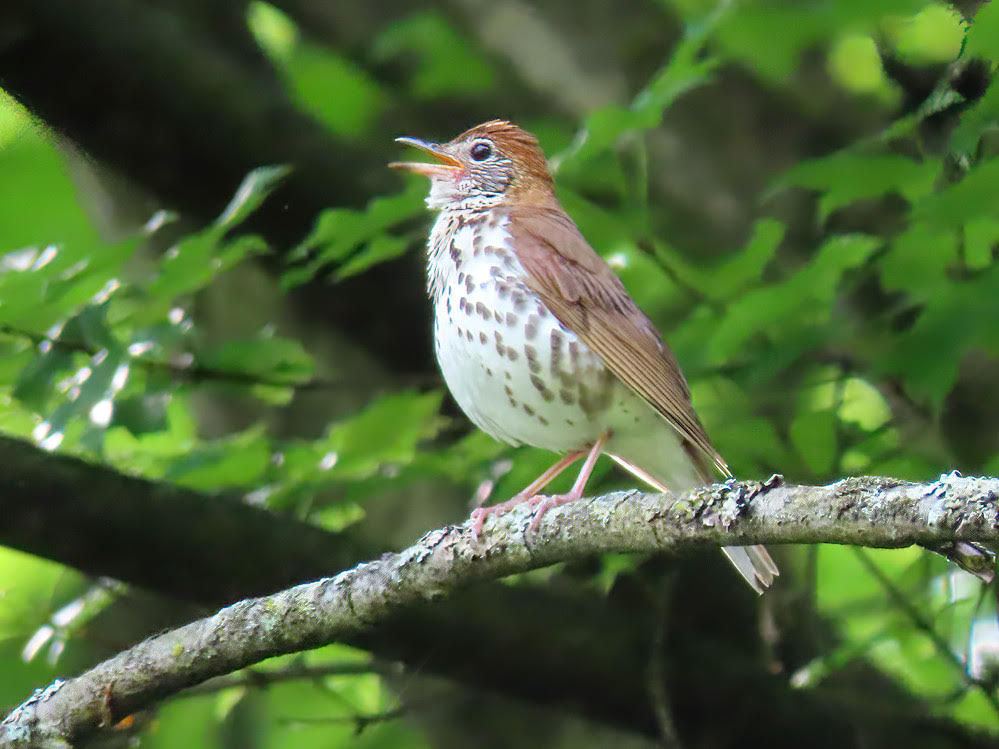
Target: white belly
{"type": "Point", "coordinates": [511, 366]}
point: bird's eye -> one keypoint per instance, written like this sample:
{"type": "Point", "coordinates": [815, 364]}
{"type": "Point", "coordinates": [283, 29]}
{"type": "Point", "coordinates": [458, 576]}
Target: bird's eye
{"type": "Point", "coordinates": [481, 151]}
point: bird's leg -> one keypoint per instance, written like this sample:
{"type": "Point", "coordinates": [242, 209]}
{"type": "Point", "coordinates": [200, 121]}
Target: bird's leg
{"type": "Point", "coordinates": [479, 514]}
{"type": "Point", "coordinates": [547, 503]}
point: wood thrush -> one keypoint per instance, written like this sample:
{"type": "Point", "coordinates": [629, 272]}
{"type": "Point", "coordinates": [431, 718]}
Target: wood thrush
{"type": "Point", "coordinates": [537, 338]}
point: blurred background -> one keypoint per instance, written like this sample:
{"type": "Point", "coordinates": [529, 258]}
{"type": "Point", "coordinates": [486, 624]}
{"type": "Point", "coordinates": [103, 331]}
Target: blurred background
{"type": "Point", "coordinates": [209, 279]}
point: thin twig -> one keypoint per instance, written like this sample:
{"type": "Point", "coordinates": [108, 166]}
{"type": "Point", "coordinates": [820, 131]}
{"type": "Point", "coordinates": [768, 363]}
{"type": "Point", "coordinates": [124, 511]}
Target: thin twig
{"type": "Point", "coordinates": [259, 679]}
{"type": "Point", "coordinates": [361, 720]}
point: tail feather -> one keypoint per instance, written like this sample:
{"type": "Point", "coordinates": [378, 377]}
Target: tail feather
{"type": "Point", "coordinates": [754, 563]}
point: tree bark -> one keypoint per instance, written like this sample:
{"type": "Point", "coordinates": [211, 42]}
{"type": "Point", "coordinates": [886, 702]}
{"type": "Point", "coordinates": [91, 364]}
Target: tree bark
{"type": "Point", "coordinates": [867, 511]}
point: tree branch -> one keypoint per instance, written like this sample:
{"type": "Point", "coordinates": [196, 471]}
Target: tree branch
{"type": "Point", "coordinates": [868, 511]}
{"type": "Point", "coordinates": [158, 535]}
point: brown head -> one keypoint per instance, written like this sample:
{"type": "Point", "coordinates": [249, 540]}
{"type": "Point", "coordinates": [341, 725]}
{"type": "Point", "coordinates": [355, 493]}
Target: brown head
{"type": "Point", "coordinates": [488, 165]}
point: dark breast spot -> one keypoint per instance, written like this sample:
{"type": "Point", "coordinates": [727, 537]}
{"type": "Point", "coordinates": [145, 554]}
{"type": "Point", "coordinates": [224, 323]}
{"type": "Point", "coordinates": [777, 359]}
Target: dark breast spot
{"type": "Point", "coordinates": [531, 327]}
{"type": "Point", "coordinates": [511, 319]}
{"type": "Point", "coordinates": [483, 339]}
{"type": "Point", "coordinates": [558, 340]}
{"type": "Point", "coordinates": [509, 396]}
{"type": "Point", "coordinates": [539, 385]}
{"type": "Point", "coordinates": [482, 310]}
{"type": "Point", "coordinates": [532, 359]}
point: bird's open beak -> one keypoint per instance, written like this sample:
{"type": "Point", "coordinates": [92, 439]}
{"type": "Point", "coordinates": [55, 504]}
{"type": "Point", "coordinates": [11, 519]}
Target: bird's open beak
{"type": "Point", "coordinates": [447, 167]}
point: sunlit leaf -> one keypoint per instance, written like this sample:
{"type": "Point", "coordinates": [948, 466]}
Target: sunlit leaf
{"type": "Point", "coordinates": [279, 359]}
{"type": "Point", "coordinates": [239, 460]}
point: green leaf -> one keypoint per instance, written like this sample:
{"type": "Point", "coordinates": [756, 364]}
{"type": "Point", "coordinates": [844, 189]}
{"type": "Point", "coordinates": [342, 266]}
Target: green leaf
{"type": "Point", "coordinates": [982, 39]}
{"type": "Point", "coordinates": [847, 176]}
{"type": "Point", "coordinates": [252, 191]}
{"type": "Point", "coordinates": [442, 61]}
{"type": "Point", "coordinates": [751, 443]}
{"type": "Point", "coordinates": [239, 460]}
{"type": "Point", "coordinates": [274, 31]}
{"type": "Point", "coordinates": [388, 431]}
{"type": "Point", "coordinates": [743, 269]}
{"type": "Point", "coordinates": [863, 404]}
{"type": "Point", "coordinates": [813, 434]}
{"type": "Point", "coordinates": [802, 300]}
{"type": "Point", "coordinates": [976, 710]}
{"type": "Point", "coordinates": [192, 263]}
{"type": "Point", "coordinates": [335, 89]}
{"type": "Point", "coordinates": [980, 239]}
{"type": "Point", "coordinates": [279, 359]}
{"type": "Point", "coordinates": [89, 397]}
{"type": "Point", "coordinates": [37, 380]}
{"type": "Point", "coordinates": [959, 318]}
{"type": "Point", "coordinates": [933, 35]}
{"type": "Point", "coordinates": [981, 116]}
{"type": "Point", "coordinates": [687, 69]}
{"type": "Point", "coordinates": [40, 287]}
{"type": "Point", "coordinates": [972, 198]}
{"type": "Point", "coordinates": [917, 261]}
{"type": "Point", "coordinates": [339, 232]}
{"type": "Point", "coordinates": [770, 37]}
{"type": "Point", "coordinates": [381, 248]}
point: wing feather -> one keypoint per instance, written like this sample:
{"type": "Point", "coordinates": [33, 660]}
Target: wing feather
{"type": "Point", "coordinates": [586, 296]}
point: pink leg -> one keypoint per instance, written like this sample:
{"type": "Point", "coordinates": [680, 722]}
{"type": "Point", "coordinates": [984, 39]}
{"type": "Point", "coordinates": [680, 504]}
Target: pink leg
{"type": "Point", "coordinates": [544, 505]}
{"type": "Point", "coordinates": [479, 514]}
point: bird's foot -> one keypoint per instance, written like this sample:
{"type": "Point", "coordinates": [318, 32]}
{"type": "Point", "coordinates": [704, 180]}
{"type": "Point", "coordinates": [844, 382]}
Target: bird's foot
{"type": "Point", "coordinates": [544, 504]}
{"type": "Point", "coordinates": [480, 514]}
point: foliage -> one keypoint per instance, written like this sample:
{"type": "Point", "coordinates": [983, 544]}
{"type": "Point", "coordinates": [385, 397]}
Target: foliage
{"type": "Point", "coordinates": [827, 344]}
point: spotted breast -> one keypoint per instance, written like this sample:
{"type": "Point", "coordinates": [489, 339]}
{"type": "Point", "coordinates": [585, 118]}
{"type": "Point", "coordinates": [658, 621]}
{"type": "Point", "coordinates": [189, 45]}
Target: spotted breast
{"type": "Point", "coordinates": [515, 370]}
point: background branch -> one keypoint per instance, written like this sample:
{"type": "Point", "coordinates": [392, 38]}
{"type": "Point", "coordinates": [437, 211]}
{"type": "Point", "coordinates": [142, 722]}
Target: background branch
{"type": "Point", "coordinates": [868, 511]}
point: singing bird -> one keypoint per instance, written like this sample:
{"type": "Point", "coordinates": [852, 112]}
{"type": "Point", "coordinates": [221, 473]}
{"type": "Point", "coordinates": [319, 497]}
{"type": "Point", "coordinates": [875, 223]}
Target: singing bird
{"type": "Point", "coordinates": [537, 338]}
